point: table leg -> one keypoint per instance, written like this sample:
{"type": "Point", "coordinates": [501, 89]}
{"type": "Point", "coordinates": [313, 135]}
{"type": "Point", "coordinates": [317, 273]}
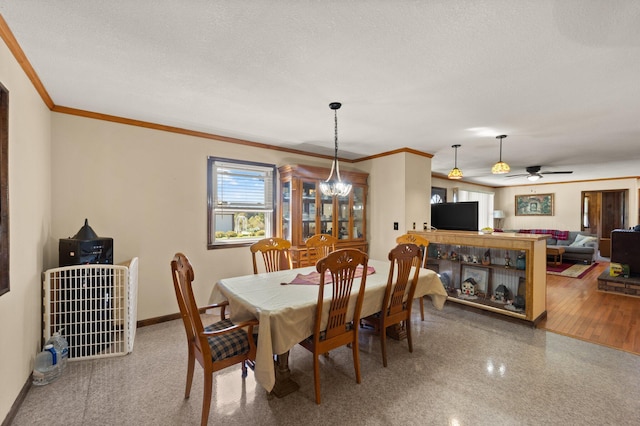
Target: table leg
{"type": "Point", "coordinates": [284, 383]}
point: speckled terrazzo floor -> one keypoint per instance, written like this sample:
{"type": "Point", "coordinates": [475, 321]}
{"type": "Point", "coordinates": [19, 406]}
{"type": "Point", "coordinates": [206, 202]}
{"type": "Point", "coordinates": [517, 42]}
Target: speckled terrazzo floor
{"type": "Point", "coordinates": [466, 369]}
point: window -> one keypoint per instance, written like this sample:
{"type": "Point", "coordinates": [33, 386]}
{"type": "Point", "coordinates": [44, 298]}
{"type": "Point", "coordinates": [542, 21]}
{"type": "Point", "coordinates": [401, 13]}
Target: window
{"type": "Point", "coordinates": [240, 197]}
{"type": "Point", "coordinates": [438, 195]}
{"type": "Point", "coordinates": [485, 205]}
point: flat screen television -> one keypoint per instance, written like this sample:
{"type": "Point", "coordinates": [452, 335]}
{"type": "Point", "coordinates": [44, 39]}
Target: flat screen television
{"type": "Point", "coordinates": [461, 216]}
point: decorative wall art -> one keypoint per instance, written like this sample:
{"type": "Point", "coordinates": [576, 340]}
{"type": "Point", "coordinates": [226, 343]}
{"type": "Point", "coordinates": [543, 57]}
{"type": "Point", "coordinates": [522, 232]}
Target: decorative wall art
{"type": "Point", "coordinates": [534, 205]}
{"type": "Point", "coordinates": [479, 275]}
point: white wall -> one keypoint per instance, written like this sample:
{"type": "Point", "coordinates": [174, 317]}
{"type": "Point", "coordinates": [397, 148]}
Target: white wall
{"type": "Point", "coordinates": [29, 228]}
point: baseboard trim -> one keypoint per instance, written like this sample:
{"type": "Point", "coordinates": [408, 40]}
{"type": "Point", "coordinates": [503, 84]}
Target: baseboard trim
{"type": "Point", "coordinates": [163, 318]}
{"type": "Point", "coordinates": [17, 403]}
{"type": "Point", "coordinates": [157, 320]}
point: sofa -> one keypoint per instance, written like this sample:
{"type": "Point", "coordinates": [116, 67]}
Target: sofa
{"type": "Point", "coordinates": [578, 245]}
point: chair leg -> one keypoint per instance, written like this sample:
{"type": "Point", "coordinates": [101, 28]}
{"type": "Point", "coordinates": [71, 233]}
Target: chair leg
{"type": "Point", "coordinates": [316, 376]}
{"type": "Point", "coordinates": [244, 368]}
{"type": "Point", "coordinates": [206, 399]}
{"type": "Point", "coordinates": [408, 327]}
{"type": "Point", "coordinates": [356, 358]}
{"type": "Point", "coordinates": [383, 344]}
{"type": "Point", "coordinates": [190, 367]}
{"type": "Point", "coordinates": [422, 308]}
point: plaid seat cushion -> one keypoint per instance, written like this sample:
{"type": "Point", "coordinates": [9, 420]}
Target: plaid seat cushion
{"type": "Point", "coordinates": [228, 344]}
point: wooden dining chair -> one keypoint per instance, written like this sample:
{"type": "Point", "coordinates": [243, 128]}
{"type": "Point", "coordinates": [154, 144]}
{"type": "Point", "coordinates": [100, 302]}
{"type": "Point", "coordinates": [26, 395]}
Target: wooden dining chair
{"type": "Point", "coordinates": [339, 329]}
{"type": "Point", "coordinates": [423, 243]}
{"type": "Point", "coordinates": [319, 246]}
{"type": "Point", "coordinates": [275, 254]}
{"type": "Point", "coordinates": [217, 346]}
{"type": "Point", "coordinates": [398, 296]}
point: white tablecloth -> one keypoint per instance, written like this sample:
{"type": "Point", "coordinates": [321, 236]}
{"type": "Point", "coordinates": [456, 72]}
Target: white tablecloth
{"type": "Point", "coordinates": [286, 312]}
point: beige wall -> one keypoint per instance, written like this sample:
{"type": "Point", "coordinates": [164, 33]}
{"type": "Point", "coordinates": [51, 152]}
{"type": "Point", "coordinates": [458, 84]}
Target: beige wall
{"type": "Point", "coordinates": [567, 203]}
{"type": "Point", "coordinates": [567, 199]}
{"type": "Point", "coordinates": [399, 191]}
{"type": "Point", "coordinates": [147, 190]}
{"type": "Point", "coordinates": [29, 228]}
{"type": "Point", "coordinates": [417, 191]}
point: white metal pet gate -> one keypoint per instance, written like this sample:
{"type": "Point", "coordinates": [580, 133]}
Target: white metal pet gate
{"type": "Point", "coordinates": [94, 306]}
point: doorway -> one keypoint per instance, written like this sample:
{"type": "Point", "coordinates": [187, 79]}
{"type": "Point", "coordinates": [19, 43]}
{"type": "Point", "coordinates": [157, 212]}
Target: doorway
{"type": "Point", "coordinates": [602, 212]}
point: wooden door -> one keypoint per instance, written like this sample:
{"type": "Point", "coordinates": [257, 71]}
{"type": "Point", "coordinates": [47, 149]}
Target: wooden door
{"type": "Point", "coordinates": [602, 212]}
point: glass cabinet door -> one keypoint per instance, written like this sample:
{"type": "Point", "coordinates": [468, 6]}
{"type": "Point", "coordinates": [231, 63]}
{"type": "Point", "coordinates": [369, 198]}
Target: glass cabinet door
{"type": "Point", "coordinates": [343, 217]}
{"type": "Point", "coordinates": [309, 223]}
{"type": "Point", "coordinates": [286, 210]}
{"type": "Point", "coordinates": [326, 215]}
{"type": "Point", "coordinates": [357, 232]}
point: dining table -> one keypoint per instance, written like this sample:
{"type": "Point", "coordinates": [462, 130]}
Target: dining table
{"type": "Point", "coordinates": [284, 302]}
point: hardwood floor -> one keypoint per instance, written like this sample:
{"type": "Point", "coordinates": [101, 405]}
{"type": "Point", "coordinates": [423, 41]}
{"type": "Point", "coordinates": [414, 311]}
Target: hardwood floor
{"type": "Point", "coordinates": [575, 308]}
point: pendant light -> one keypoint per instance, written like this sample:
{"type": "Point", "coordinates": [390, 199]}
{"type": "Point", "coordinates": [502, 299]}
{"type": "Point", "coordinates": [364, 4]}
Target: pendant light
{"type": "Point", "coordinates": [500, 167]}
{"type": "Point", "coordinates": [335, 187]}
{"type": "Point", "coordinates": [455, 173]}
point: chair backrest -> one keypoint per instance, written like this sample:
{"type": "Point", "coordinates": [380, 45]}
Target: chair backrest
{"type": "Point", "coordinates": [183, 276]}
{"type": "Point", "coordinates": [421, 242]}
{"type": "Point", "coordinates": [396, 299]}
{"type": "Point", "coordinates": [319, 246]}
{"type": "Point", "coordinates": [342, 265]}
{"type": "Point", "coordinates": [275, 254]}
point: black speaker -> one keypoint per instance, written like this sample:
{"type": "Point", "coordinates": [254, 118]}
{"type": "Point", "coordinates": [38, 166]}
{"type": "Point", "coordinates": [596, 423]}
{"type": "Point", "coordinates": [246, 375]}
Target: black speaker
{"type": "Point", "coordinates": [78, 252]}
{"type": "Point", "coordinates": [85, 247]}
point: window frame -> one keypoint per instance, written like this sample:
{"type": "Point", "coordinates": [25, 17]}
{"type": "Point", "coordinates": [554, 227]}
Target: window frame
{"type": "Point", "coordinates": [439, 191]}
{"type": "Point", "coordinates": [4, 191]}
{"type": "Point", "coordinates": [211, 208]}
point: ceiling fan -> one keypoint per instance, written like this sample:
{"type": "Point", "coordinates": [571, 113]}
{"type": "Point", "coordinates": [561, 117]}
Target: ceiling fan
{"type": "Point", "coordinates": [534, 173]}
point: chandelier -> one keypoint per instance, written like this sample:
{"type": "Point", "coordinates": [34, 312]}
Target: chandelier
{"type": "Point", "coordinates": [500, 167]}
{"type": "Point", "coordinates": [335, 187]}
{"type": "Point", "coordinates": [455, 173]}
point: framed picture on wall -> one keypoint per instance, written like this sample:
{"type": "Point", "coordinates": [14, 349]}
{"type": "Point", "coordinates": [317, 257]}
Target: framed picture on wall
{"type": "Point", "coordinates": [534, 205]}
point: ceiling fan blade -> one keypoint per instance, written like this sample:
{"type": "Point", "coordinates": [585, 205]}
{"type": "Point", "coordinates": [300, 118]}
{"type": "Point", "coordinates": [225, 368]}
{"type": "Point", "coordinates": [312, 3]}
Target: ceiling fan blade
{"type": "Point", "coordinates": [518, 175]}
{"type": "Point", "coordinates": [566, 172]}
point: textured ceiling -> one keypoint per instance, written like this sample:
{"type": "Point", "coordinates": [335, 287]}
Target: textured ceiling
{"type": "Point", "coordinates": [560, 78]}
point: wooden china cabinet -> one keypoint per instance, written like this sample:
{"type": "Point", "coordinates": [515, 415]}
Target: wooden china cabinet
{"type": "Point", "coordinates": [305, 211]}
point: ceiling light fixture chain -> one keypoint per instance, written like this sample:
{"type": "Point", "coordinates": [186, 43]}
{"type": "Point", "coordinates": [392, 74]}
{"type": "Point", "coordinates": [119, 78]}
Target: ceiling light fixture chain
{"type": "Point", "coordinates": [334, 187]}
{"type": "Point", "coordinates": [500, 167]}
{"type": "Point", "coordinates": [455, 173]}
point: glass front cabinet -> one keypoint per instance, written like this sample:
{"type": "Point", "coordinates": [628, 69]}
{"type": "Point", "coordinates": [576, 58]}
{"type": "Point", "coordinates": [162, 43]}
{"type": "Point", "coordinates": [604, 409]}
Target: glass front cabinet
{"type": "Point", "coordinates": [306, 212]}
